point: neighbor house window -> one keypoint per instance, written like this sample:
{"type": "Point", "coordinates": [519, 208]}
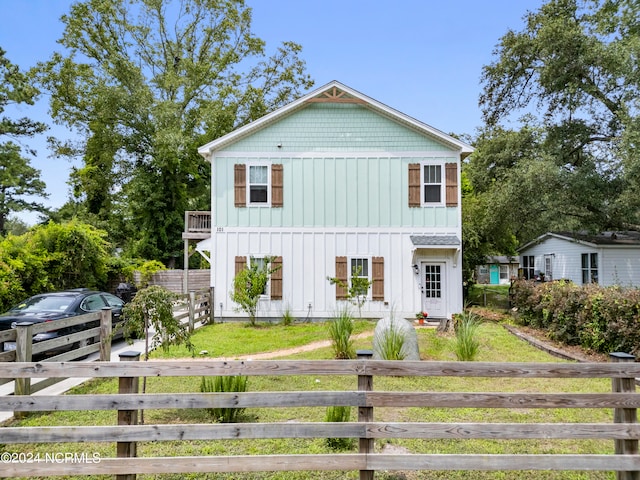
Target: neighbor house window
{"type": "Point", "coordinates": [528, 266]}
{"type": "Point", "coordinates": [432, 184]}
{"type": "Point", "coordinates": [504, 272]}
{"type": "Point", "coordinates": [589, 268]}
{"type": "Point", "coordinates": [258, 184]}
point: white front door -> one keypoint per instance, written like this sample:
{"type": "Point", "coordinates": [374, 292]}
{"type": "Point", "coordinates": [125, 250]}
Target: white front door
{"type": "Point", "coordinates": [433, 295]}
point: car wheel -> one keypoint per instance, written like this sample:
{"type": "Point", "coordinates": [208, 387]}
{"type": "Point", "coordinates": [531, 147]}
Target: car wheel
{"type": "Point", "coordinates": [85, 342]}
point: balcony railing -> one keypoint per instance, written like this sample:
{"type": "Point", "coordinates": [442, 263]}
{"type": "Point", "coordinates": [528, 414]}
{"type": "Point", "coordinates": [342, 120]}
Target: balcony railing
{"type": "Point", "coordinates": [197, 224]}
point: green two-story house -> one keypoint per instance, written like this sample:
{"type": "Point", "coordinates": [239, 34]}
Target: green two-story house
{"type": "Point", "coordinates": [332, 185]}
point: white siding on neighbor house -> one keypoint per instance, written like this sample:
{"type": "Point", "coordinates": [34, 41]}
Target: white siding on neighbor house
{"type": "Point", "coordinates": [620, 266]}
{"type": "Point", "coordinates": [616, 265]}
{"type": "Point", "coordinates": [565, 258]}
{"type": "Point", "coordinates": [308, 258]}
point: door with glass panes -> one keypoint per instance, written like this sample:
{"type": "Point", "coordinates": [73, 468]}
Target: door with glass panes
{"type": "Point", "coordinates": [433, 295]}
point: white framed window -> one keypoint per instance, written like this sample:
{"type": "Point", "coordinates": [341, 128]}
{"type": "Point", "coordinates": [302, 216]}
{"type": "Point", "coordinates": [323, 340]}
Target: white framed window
{"type": "Point", "coordinates": [260, 262]}
{"type": "Point", "coordinates": [359, 268]}
{"type": "Point", "coordinates": [528, 265]}
{"type": "Point", "coordinates": [504, 272]}
{"type": "Point", "coordinates": [589, 268]}
{"type": "Point", "coordinates": [432, 185]}
{"type": "Point", "coordinates": [258, 184]}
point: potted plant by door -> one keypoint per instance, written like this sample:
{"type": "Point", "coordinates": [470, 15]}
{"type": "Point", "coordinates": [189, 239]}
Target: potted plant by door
{"type": "Point", "coordinates": [421, 316]}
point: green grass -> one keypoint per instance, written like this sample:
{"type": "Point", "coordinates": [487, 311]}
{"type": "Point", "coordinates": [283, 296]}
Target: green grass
{"type": "Point", "coordinates": [495, 296]}
{"type": "Point", "coordinates": [236, 339]}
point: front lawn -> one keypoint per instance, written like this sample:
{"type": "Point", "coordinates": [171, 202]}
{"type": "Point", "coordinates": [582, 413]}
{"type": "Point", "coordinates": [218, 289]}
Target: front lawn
{"type": "Point", "coordinates": [235, 339]}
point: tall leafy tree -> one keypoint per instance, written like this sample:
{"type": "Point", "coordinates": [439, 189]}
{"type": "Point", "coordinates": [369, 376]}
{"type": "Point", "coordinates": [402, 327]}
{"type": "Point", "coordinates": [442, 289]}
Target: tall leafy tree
{"type": "Point", "coordinates": [146, 82]}
{"type": "Point", "coordinates": [17, 178]}
{"type": "Point", "coordinates": [574, 69]}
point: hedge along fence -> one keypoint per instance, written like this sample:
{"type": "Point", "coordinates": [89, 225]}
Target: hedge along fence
{"type": "Point", "coordinates": [624, 431]}
{"type": "Point", "coordinates": [603, 319]}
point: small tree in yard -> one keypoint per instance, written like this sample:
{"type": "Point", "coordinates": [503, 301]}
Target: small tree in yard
{"type": "Point", "coordinates": [152, 307]}
{"type": "Point", "coordinates": [249, 285]}
{"type": "Point", "coordinates": [357, 289]}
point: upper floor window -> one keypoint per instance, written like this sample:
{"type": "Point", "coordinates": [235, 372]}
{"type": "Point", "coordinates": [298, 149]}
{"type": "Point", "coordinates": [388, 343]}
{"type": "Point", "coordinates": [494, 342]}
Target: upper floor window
{"type": "Point", "coordinates": [432, 181]}
{"type": "Point", "coordinates": [433, 185]}
{"type": "Point", "coordinates": [258, 184]}
{"type": "Point", "coordinates": [589, 268]}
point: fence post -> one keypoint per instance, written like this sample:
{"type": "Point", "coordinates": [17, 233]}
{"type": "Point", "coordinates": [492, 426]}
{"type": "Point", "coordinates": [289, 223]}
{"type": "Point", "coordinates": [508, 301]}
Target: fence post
{"type": "Point", "coordinates": [24, 344]}
{"type": "Point", "coordinates": [212, 306]}
{"type": "Point", "coordinates": [365, 414]}
{"type": "Point", "coordinates": [192, 310]}
{"type": "Point", "coordinates": [624, 415]}
{"type": "Point", "coordinates": [127, 417]}
{"type": "Point", "coordinates": [105, 334]}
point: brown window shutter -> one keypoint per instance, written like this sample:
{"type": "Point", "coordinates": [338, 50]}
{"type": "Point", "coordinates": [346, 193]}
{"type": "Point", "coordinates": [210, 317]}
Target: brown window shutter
{"type": "Point", "coordinates": [241, 264]}
{"type": "Point", "coordinates": [414, 184]}
{"type": "Point", "coordinates": [451, 174]}
{"type": "Point", "coordinates": [277, 199]}
{"type": "Point", "coordinates": [377, 275]}
{"type": "Point", "coordinates": [240, 185]}
{"type": "Point", "coordinates": [341, 274]}
{"type": "Point", "coordinates": [276, 279]}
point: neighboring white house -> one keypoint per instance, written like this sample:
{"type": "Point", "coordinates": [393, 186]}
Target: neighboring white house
{"type": "Point", "coordinates": [608, 258]}
{"type": "Point", "coordinates": [332, 183]}
{"type": "Point", "coordinates": [499, 270]}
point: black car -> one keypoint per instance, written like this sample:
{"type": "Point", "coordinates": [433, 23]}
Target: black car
{"type": "Point", "coordinates": [47, 307]}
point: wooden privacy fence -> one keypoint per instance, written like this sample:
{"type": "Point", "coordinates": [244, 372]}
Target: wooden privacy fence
{"type": "Point", "coordinates": [623, 432]}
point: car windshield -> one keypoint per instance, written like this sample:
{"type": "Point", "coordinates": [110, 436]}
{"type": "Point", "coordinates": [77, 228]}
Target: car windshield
{"type": "Point", "coordinates": [54, 303]}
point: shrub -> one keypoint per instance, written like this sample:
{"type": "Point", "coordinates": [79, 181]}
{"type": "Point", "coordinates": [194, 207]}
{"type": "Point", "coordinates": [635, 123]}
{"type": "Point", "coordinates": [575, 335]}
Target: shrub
{"type": "Point", "coordinates": [339, 414]}
{"type": "Point", "coordinates": [340, 330]}
{"type": "Point", "coordinates": [467, 344]}
{"type": "Point", "coordinates": [234, 383]}
{"type": "Point", "coordinates": [603, 319]}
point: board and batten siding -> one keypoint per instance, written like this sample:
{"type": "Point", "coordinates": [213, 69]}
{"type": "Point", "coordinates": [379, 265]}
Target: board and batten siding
{"type": "Point", "coordinates": [309, 257]}
{"type": "Point", "coordinates": [355, 192]}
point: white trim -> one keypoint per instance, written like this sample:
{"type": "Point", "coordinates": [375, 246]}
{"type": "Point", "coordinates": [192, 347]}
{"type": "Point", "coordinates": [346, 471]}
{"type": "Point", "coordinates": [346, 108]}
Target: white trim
{"type": "Point", "coordinates": [443, 191]}
{"type": "Point", "coordinates": [452, 154]}
{"type": "Point", "coordinates": [435, 231]}
{"type": "Point", "coordinates": [248, 166]}
{"type": "Point", "coordinates": [368, 258]}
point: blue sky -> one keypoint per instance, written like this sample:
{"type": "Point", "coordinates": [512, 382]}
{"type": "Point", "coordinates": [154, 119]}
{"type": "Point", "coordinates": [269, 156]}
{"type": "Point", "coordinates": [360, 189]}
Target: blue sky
{"type": "Point", "coordinates": [421, 57]}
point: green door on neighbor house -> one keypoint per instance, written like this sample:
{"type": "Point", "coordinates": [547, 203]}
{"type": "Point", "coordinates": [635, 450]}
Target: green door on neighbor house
{"type": "Point", "coordinates": [494, 274]}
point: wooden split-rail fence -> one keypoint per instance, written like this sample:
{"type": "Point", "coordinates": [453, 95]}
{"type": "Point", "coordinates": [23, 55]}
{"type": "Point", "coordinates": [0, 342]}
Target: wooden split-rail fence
{"type": "Point", "coordinates": [623, 432]}
{"type": "Point", "coordinates": [95, 332]}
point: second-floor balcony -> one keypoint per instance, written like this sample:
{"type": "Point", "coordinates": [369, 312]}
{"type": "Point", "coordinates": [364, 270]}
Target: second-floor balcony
{"type": "Point", "coordinates": [197, 225]}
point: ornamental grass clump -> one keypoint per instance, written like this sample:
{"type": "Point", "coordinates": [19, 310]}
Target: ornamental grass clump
{"type": "Point", "coordinates": [339, 414]}
{"type": "Point", "coordinates": [234, 383]}
{"type": "Point", "coordinates": [389, 342]}
{"type": "Point", "coordinates": [340, 330]}
{"type": "Point", "coordinates": [467, 343]}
